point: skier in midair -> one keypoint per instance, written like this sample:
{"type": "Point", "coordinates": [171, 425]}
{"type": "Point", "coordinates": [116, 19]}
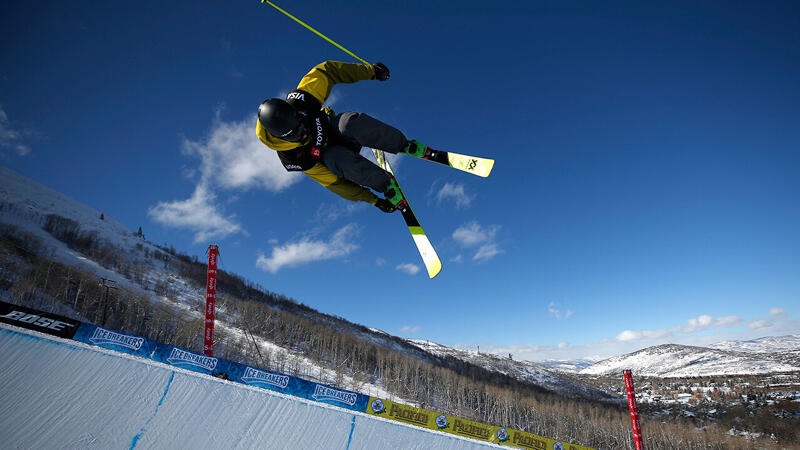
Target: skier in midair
{"type": "Point", "coordinates": [325, 146]}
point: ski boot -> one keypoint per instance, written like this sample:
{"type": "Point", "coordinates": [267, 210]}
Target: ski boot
{"type": "Point", "coordinates": [393, 194]}
{"type": "Point", "coordinates": [419, 150]}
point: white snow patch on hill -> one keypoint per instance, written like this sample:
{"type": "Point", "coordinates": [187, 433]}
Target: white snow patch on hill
{"type": "Point", "coordinates": [761, 345]}
{"type": "Point", "coordinates": [673, 360]}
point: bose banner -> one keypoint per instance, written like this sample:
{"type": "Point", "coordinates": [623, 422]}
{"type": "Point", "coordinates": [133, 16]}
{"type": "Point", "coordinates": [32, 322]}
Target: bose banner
{"type": "Point", "coordinates": [38, 321]}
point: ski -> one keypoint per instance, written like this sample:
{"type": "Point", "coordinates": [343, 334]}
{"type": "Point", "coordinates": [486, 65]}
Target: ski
{"type": "Point", "coordinates": [481, 167]}
{"type": "Point", "coordinates": [426, 250]}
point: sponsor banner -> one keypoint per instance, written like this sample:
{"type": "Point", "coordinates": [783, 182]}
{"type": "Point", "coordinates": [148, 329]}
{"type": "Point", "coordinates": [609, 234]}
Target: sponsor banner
{"type": "Point", "coordinates": [264, 379]}
{"type": "Point", "coordinates": [335, 396]}
{"type": "Point", "coordinates": [467, 428]}
{"type": "Point", "coordinates": [522, 439]}
{"type": "Point", "coordinates": [402, 413]}
{"type": "Point", "coordinates": [42, 322]}
{"type": "Point", "coordinates": [196, 362]}
{"type": "Point", "coordinates": [115, 340]}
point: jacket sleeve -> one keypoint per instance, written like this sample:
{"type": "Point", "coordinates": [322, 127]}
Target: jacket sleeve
{"type": "Point", "coordinates": [340, 186]}
{"type": "Point", "coordinates": [319, 81]}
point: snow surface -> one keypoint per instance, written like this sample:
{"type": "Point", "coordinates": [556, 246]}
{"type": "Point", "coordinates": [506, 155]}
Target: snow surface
{"type": "Point", "coordinates": [62, 394]}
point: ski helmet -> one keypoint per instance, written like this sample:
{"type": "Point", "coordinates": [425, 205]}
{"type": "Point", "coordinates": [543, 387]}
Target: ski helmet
{"type": "Point", "coordinates": [281, 119]}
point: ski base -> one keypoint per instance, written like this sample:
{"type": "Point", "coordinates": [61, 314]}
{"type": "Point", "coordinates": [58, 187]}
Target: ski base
{"type": "Point", "coordinates": [481, 167]}
{"type": "Point", "coordinates": [429, 257]}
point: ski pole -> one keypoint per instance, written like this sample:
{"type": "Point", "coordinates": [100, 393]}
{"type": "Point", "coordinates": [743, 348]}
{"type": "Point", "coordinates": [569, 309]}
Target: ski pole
{"type": "Point", "coordinates": [315, 31]}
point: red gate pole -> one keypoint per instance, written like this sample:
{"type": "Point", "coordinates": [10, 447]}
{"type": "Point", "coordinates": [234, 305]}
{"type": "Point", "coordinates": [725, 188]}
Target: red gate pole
{"type": "Point", "coordinates": [634, 407]}
{"type": "Point", "coordinates": [211, 298]}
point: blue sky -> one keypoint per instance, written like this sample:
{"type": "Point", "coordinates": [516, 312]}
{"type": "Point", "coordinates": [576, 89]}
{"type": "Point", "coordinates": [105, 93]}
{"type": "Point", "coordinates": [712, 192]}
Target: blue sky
{"type": "Point", "coordinates": [645, 189]}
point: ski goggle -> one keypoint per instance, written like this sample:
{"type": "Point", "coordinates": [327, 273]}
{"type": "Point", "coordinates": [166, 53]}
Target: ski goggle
{"type": "Point", "coordinates": [297, 133]}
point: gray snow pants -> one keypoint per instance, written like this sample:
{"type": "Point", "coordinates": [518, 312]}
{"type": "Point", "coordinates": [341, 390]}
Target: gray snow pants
{"type": "Point", "coordinates": [367, 132]}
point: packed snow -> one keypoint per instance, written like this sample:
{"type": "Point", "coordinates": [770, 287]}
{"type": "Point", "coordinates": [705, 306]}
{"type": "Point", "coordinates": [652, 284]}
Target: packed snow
{"type": "Point", "coordinates": [62, 394]}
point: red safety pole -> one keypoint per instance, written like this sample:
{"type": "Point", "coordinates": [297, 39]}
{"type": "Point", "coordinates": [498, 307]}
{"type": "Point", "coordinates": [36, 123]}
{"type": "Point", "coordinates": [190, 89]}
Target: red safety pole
{"type": "Point", "coordinates": [634, 407]}
{"type": "Point", "coordinates": [211, 298]}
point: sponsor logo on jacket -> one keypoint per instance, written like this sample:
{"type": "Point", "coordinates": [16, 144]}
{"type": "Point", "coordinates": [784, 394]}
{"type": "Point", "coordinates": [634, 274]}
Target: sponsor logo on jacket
{"type": "Point", "coordinates": [325, 393]}
{"type": "Point", "coordinates": [103, 336]}
{"type": "Point", "coordinates": [257, 377]}
{"type": "Point", "coordinates": [296, 96]}
{"type": "Point", "coordinates": [320, 142]}
{"type": "Point", "coordinates": [181, 357]}
{"type": "Point", "coordinates": [39, 321]}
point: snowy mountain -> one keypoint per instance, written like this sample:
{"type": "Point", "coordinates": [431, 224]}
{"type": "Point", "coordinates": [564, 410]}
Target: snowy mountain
{"type": "Point", "coordinates": [672, 360]}
{"type": "Point", "coordinates": [761, 345]}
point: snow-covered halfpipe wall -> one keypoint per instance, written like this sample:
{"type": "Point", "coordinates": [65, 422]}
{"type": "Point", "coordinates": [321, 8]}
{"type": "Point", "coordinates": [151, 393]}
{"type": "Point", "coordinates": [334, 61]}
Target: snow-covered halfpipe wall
{"type": "Point", "coordinates": [82, 386]}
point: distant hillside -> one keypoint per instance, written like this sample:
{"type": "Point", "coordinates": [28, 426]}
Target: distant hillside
{"type": "Point", "coordinates": [768, 344]}
{"type": "Point", "coordinates": [672, 360]}
{"type": "Point", "coordinates": [521, 370]}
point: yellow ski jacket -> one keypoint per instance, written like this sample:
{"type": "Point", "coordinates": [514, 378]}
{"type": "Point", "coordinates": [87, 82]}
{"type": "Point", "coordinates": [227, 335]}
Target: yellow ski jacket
{"type": "Point", "coordinates": [313, 90]}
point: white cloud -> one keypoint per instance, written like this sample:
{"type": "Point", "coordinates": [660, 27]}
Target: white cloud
{"type": "Point", "coordinates": [555, 312]}
{"type": "Point", "coordinates": [777, 312]}
{"type": "Point", "coordinates": [697, 324]}
{"type": "Point", "coordinates": [473, 234]}
{"type": "Point", "coordinates": [629, 335]}
{"type": "Point", "coordinates": [759, 323]}
{"type": "Point", "coordinates": [410, 328]}
{"type": "Point", "coordinates": [380, 262]}
{"type": "Point", "coordinates": [487, 251]}
{"type": "Point", "coordinates": [454, 194]}
{"type": "Point", "coordinates": [10, 137]}
{"type": "Point", "coordinates": [231, 158]}
{"type": "Point", "coordinates": [234, 158]}
{"type": "Point", "coordinates": [692, 325]}
{"type": "Point", "coordinates": [197, 213]}
{"type": "Point", "coordinates": [309, 250]}
{"type": "Point", "coordinates": [411, 269]}
{"type": "Point", "coordinates": [727, 322]}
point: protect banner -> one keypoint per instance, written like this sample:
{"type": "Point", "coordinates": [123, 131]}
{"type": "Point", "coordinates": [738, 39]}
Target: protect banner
{"type": "Point", "coordinates": [466, 428]}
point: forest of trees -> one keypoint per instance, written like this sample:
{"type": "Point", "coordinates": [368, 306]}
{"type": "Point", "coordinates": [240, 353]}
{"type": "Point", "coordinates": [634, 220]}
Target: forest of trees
{"type": "Point", "coordinates": [28, 276]}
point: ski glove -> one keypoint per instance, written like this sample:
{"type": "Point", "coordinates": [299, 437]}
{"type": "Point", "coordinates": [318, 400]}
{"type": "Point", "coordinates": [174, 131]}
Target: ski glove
{"type": "Point", "coordinates": [385, 205]}
{"type": "Point", "coordinates": [381, 71]}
